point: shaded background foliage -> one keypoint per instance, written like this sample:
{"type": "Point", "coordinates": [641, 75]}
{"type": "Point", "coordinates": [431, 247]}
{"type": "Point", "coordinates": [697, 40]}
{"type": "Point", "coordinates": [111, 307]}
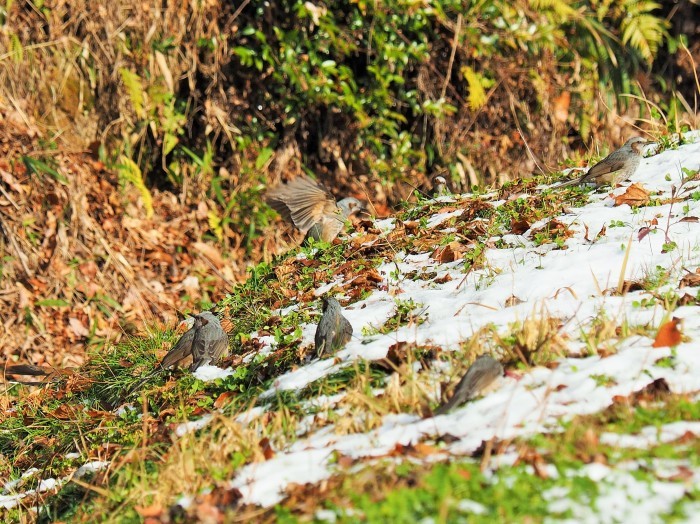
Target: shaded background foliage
{"type": "Point", "coordinates": [354, 91]}
{"type": "Point", "coordinates": [203, 104]}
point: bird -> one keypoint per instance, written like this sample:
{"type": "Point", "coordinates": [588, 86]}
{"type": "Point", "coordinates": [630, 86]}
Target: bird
{"type": "Point", "coordinates": [334, 330]}
{"type": "Point", "coordinates": [206, 341]}
{"type": "Point", "coordinates": [482, 373]}
{"type": "Point", "coordinates": [210, 341]}
{"type": "Point", "coordinates": [310, 207]}
{"type": "Point", "coordinates": [440, 186]}
{"type": "Point", "coordinates": [614, 168]}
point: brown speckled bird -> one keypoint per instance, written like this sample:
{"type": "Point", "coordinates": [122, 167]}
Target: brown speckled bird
{"type": "Point", "coordinates": [334, 330]}
{"type": "Point", "coordinates": [206, 341]}
{"type": "Point", "coordinates": [478, 377]}
{"type": "Point", "coordinates": [309, 207]}
{"type": "Point", "coordinates": [614, 168]}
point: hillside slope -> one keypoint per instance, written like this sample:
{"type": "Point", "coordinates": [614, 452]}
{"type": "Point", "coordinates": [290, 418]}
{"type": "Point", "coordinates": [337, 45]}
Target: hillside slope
{"type": "Point", "coordinates": [589, 299]}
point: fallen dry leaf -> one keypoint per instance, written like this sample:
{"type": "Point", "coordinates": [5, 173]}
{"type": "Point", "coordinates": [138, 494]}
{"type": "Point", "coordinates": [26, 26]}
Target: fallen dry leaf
{"type": "Point", "coordinates": [412, 226]}
{"type": "Point", "coordinates": [684, 473]}
{"type": "Point", "coordinates": [78, 328]}
{"type": "Point", "coordinates": [518, 227]}
{"type": "Point", "coordinates": [425, 449]}
{"type": "Point", "coordinates": [156, 510]}
{"type": "Point", "coordinates": [652, 392]}
{"type": "Point", "coordinates": [691, 279]}
{"type": "Point", "coordinates": [561, 107]}
{"type": "Point", "coordinates": [643, 232]}
{"type": "Point", "coordinates": [266, 448]}
{"type": "Point", "coordinates": [209, 251]}
{"type": "Point", "coordinates": [668, 335]}
{"type": "Point", "coordinates": [635, 196]}
{"type": "Point", "coordinates": [552, 228]}
{"type": "Point", "coordinates": [449, 253]}
{"type": "Point", "coordinates": [344, 461]}
{"type": "Point", "coordinates": [223, 399]}
{"type": "Point", "coordinates": [443, 279]}
{"type": "Point", "coordinates": [601, 233]}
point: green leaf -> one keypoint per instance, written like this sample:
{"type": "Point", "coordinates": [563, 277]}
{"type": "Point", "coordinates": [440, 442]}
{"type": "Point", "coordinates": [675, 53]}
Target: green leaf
{"type": "Point", "coordinates": [16, 50]}
{"type": "Point", "coordinates": [169, 143]}
{"type": "Point", "coordinates": [53, 302]}
{"type": "Point", "coordinates": [38, 167]}
{"type": "Point", "coordinates": [263, 157]}
{"type": "Point", "coordinates": [643, 31]}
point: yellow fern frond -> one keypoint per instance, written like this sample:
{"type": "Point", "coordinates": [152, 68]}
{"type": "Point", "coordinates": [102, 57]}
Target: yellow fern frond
{"type": "Point", "coordinates": [134, 87]}
{"type": "Point", "coordinates": [643, 31]}
{"type": "Point", "coordinates": [16, 49]}
{"type": "Point", "coordinates": [129, 172]}
{"type": "Point", "coordinates": [562, 8]}
{"type": "Point", "coordinates": [215, 224]}
{"type": "Point", "coordinates": [477, 94]}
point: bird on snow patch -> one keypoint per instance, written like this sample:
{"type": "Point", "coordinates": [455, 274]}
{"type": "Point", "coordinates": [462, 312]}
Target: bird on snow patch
{"type": "Point", "coordinates": [206, 341]}
{"type": "Point", "coordinates": [334, 330]}
{"type": "Point", "coordinates": [309, 207]}
{"type": "Point", "coordinates": [614, 168]}
{"type": "Point", "coordinates": [478, 377]}
{"type": "Point", "coordinates": [210, 341]}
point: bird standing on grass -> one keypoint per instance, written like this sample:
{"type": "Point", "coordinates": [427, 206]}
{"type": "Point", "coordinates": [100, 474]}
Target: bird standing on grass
{"type": "Point", "coordinates": [478, 377]}
{"type": "Point", "coordinates": [309, 206]}
{"type": "Point", "coordinates": [210, 341]}
{"type": "Point", "coordinates": [334, 330]}
{"type": "Point", "coordinates": [206, 341]}
{"type": "Point", "coordinates": [614, 168]}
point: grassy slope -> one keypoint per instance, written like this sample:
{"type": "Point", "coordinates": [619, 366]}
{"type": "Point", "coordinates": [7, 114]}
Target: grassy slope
{"type": "Point", "coordinates": [149, 468]}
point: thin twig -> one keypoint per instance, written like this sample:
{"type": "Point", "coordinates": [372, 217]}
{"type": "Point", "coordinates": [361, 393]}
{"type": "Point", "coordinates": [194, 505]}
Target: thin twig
{"type": "Point", "coordinates": [238, 11]}
{"type": "Point", "coordinates": [455, 41]}
{"type": "Point", "coordinates": [520, 132]}
{"type": "Point", "coordinates": [8, 197]}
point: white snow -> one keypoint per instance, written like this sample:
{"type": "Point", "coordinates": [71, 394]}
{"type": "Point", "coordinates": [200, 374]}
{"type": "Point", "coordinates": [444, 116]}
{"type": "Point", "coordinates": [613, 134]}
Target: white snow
{"type": "Point", "coordinates": [621, 498]}
{"type": "Point", "coordinates": [651, 435]}
{"type": "Point", "coordinates": [193, 425]}
{"type": "Point", "coordinates": [11, 500]}
{"type": "Point", "coordinates": [208, 373]}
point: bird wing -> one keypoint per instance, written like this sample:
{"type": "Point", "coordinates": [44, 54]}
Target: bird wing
{"type": "Point", "coordinates": [327, 229]}
{"type": "Point", "coordinates": [302, 202]}
{"type": "Point", "coordinates": [180, 350]}
{"type": "Point", "coordinates": [199, 351]}
{"type": "Point", "coordinates": [609, 164]}
{"type": "Point", "coordinates": [345, 331]}
{"type": "Point", "coordinates": [217, 348]}
{"type": "Point", "coordinates": [324, 336]}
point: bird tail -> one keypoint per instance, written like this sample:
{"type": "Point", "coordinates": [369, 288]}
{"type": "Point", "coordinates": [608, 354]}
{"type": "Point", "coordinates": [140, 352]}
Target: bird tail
{"type": "Point", "coordinates": [568, 183]}
{"type": "Point", "coordinates": [447, 406]}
